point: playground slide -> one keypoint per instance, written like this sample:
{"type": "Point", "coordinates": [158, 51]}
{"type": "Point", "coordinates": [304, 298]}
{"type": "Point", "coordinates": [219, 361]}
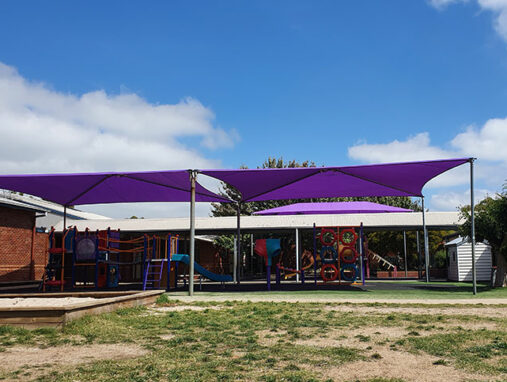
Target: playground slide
{"type": "Point", "coordinates": [198, 268]}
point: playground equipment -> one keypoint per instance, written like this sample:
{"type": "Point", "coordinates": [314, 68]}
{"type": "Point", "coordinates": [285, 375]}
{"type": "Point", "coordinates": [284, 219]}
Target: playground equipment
{"type": "Point", "coordinates": [306, 263]}
{"type": "Point", "coordinates": [185, 259]}
{"type": "Point", "coordinates": [376, 257]}
{"type": "Point", "coordinates": [268, 248]}
{"type": "Point", "coordinates": [54, 271]}
{"type": "Point", "coordinates": [101, 259]}
{"type": "Point", "coordinates": [340, 249]}
{"type": "Point", "coordinates": [337, 257]}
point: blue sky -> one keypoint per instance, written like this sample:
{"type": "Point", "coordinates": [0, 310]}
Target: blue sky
{"type": "Point", "coordinates": [161, 84]}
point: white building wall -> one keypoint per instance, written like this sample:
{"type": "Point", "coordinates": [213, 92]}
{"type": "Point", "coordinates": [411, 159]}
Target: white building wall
{"type": "Point", "coordinates": [452, 269]}
{"type": "Point", "coordinates": [483, 262]}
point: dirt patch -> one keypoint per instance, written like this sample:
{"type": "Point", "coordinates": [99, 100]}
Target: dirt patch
{"type": "Point", "coordinates": [332, 299]}
{"type": "Point", "coordinates": [485, 311]}
{"type": "Point", "coordinates": [32, 357]}
{"type": "Point", "coordinates": [397, 364]}
{"type": "Point", "coordinates": [179, 308]}
{"type": "Point", "coordinates": [167, 337]}
{"type": "Point", "coordinates": [358, 338]}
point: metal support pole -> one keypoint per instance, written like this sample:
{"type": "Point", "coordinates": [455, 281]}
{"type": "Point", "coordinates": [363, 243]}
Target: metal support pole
{"type": "Point", "coordinates": [426, 244]}
{"type": "Point", "coordinates": [361, 252]}
{"type": "Point", "coordinates": [314, 254]}
{"type": "Point", "coordinates": [234, 261]}
{"type": "Point", "coordinates": [193, 175]}
{"type": "Point", "coordinates": [238, 245]}
{"type": "Point", "coordinates": [251, 254]}
{"type": "Point", "coordinates": [472, 224]}
{"type": "Point", "coordinates": [297, 254]}
{"type": "Point", "coordinates": [418, 244]}
{"type": "Point", "coordinates": [64, 218]}
{"type": "Point", "coordinates": [405, 251]}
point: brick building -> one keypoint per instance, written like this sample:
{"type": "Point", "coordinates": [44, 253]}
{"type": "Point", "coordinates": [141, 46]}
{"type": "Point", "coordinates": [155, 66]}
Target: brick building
{"type": "Point", "coordinates": [22, 248]}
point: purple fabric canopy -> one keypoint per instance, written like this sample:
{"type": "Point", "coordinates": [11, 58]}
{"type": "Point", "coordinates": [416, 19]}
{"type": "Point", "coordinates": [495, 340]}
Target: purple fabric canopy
{"type": "Point", "coordinates": [393, 179]}
{"type": "Point", "coordinates": [331, 208]}
{"type": "Point", "coordinates": [96, 188]}
{"type": "Point", "coordinates": [396, 179]}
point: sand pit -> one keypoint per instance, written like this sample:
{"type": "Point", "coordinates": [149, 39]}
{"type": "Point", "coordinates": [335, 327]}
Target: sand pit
{"type": "Point", "coordinates": [55, 310]}
{"type": "Point", "coordinates": [43, 302]}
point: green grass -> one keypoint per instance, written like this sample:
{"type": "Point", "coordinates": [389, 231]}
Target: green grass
{"type": "Point", "coordinates": [475, 350]}
{"type": "Point", "coordinates": [263, 341]}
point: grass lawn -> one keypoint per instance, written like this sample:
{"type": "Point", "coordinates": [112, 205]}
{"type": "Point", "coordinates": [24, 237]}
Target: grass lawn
{"type": "Point", "coordinates": [265, 341]}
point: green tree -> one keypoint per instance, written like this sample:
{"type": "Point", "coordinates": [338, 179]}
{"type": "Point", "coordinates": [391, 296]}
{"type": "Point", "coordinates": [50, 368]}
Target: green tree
{"type": "Point", "coordinates": [491, 226]}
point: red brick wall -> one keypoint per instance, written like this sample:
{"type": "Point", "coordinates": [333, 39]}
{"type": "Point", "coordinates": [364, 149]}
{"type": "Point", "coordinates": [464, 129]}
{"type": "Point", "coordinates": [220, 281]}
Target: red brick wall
{"type": "Point", "coordinates": [16, 244]}
{"type": "Point", "coordinates": [40, 253]}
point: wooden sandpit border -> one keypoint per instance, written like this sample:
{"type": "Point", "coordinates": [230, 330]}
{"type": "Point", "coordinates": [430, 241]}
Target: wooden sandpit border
{"type": "Point", "coordinates": [58, 316]}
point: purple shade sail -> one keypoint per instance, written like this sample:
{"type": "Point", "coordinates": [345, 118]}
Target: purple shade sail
{"type": "Point", "coordinates": [392, 179]}
{"type": "Point", "coordinates": [331, 208]}
{"type": "Point", "coordinates": [395, 179]}
{"type": "Point", "coordinates": [97, 188]}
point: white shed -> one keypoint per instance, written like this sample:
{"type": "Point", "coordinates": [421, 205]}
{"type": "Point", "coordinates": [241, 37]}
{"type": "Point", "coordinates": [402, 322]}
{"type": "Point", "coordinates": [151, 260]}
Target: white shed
{"type": "Point", "coordinates": [459, 256]}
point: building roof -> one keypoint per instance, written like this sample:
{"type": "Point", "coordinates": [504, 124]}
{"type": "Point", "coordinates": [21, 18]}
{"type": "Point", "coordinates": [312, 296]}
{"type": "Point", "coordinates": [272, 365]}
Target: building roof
{"type": "Point", "coordinates": [19, 205]}
{"type": "Point", "coordinates": [463, 240]}
{"type": "Point", "coordinates": [213, 225]}
{"type": "Point", "coordinates": [41, 205]}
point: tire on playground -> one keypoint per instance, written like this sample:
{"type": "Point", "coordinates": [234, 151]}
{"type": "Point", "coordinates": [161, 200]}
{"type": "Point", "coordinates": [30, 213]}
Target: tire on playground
{"type": "Point", "coordinates": [328, 231]}
{"type": "Point", "coordinates": [323, 274]}
{"type": "Point", "coordinates": [348, 259]}
{"type": "Point", "coordinates": [350, 231]}
{"type": "Point", "coordinates": [328, 250]}
{"type": "Point", "coordinates": [347, 268]}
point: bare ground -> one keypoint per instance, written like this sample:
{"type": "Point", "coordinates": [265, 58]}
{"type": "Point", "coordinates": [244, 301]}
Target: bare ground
{"type": "Point", "coordinates": [485, 311]}
{"type": "Point", "coordinates": [384, 361]}
{"type": "Point", "coordinates": [397, 364]}
{"type": "Point", "coordinates": [334, 299]}
{"type": "Point", "coordinates": [37, 361]}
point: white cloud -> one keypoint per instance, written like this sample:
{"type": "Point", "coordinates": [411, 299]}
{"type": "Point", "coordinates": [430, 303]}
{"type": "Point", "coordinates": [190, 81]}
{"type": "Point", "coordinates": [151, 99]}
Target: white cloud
{"type": "Point", "coordinates": [441, 4]}
{"type": "Point", "coordinates": [497, 7]}
{"type": "Point", "coordinates": [45, 131]}
{"type": "Point", "coordinates": [415, 148]}
{"type": "Point", "coordinates": [489, 142]}
{"type": "Point", "coordinates": [447, 201]}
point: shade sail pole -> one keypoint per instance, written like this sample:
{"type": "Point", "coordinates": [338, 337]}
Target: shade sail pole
{"type": "Point", "coordinates": [238, 244]}
{"type": "Point", "coordinates": [361, 252]}
{"type": "Point", "coordinates": [426, 245]}
{"type": "Point", "coordinates": [193, 175]}
{"type": "Point", "coordinates": [297, 254]}
{"type": "Point", "coordinates": [418, 244]}
{"type": "Point", "coordinates": [472, 224]}
{"type": "Point", "coordinates": [405, 252]}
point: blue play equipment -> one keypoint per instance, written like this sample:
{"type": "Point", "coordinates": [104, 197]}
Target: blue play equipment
{"type": "Point", "coordinates": [198, 268]}
{"type": "Point", "coordinates": [268, 248]}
